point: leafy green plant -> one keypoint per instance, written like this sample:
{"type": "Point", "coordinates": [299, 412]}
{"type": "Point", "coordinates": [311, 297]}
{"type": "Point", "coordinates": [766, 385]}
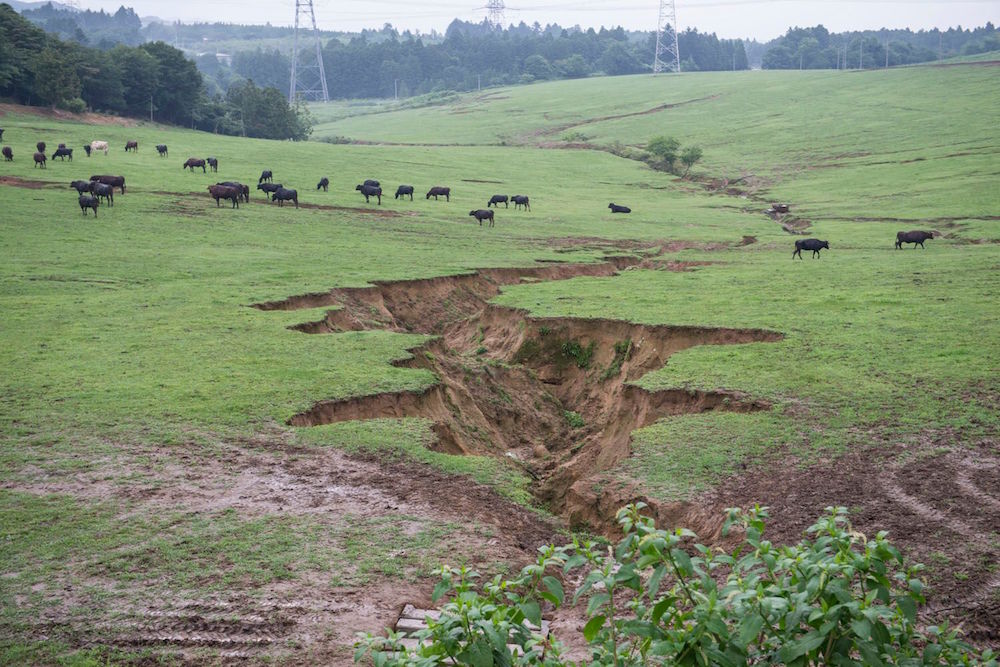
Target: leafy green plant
{"type": "Point", "coordinates": [574, 419]}
{"type": "Point", "coordinates": [572, 349]}
{"type": "Point", "coordinates": [836, 598]}
{"type": "Point", "coordinates": [665, 150]}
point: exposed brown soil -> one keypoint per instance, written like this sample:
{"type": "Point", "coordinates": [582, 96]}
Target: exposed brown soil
{"type": "Point", "coordinates": [600, 119]}
{"type": "Point", "coordinates": [507, 382]}
{"type": "Point", "coordinates": [88, 118]}
{"type": "Point", "coordinates": [940, 503]}
{"type": "Point", "coordinates": [16, 182]}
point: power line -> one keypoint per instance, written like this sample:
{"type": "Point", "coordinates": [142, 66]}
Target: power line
{"type": "Point", "coordinates": [494, 13]}
{"type": "Point", "coordinates": [668, 54]}
{"type": "Point", "coordinates": [308, 76]}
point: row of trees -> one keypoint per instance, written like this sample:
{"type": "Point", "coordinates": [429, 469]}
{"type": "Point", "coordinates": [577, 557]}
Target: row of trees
{"type": "Point", "coordinates": [817, 48]}
{"type": "Point", "coordinates": [151, 80]}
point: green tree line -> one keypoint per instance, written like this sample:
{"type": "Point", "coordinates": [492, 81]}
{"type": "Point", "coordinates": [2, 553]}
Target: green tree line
{"type": "Point", "coordinates": [153, 79]}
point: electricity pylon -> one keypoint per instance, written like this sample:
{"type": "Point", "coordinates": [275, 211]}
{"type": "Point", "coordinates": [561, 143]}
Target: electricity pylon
{"type": "Point", "coordinates": [668, 55]}
{"type": "Point", "coordinates": [308, 76]}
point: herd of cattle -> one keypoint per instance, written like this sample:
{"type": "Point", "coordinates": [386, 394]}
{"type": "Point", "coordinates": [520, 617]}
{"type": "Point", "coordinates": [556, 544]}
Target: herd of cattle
{"type": "Point", "coordinates": [101, 187]}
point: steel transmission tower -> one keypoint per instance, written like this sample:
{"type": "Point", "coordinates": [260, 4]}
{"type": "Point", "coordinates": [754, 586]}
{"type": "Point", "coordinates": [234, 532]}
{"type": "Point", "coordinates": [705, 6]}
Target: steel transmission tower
{"type": "Point", "coordinates": [494, 13]}
{"type": "Point", "coordinates": [308, 76]}
{"type": "Point", "coordinates": [668, 55]}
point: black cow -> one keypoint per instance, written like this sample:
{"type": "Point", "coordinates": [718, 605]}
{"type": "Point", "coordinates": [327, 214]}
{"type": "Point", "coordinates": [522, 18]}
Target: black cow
{"type": "Point", "coordinates": [615, 208]}
{"type": "Point", "coordinates": [132, 146]}
{"type": "Point", "coordinates": [40, 146]}
{"type": "Point", "coordinates": [496, 200]}
{"type": "Point", "coordinates": [213, 163]}
{"type": "Point", "coordinates": [281, 195]}
{"type": "Point", "coordinates": [87, 201]}
{"type": "Point", "coordinates": [81, 186]}
{"type": "Point", "coordinates": [372, 183]}
{"type": "Point", "coordinates": [269, 188]}
{"type": "Point", "coordinates": [915, 237]}
{"type": "Point", "coordinates": [114, 181]}
{"type": "Point", "coordinates": [87, 149]}
{"type": "Point", "coordinates": [482, 214]}
{"type": "Point", "coordinates": [370, 191]}
{"type": "Point", "coordinates": [193, 162]}
{"type": "Point", "coordinates": [437, 191]}
{"type": "Point", "coordinates": [161, 149]}
{"type": "Point", "coordinates": [8, 154]}
{"type": "Point", "coordinates": [809, 244]}
{"type": "Point", "coordinates": [103, 191]}
{"type": "Point", "coordinates": [39, 159]}
{"type": "Point", "coordinates": [62, 153]}
{"type": "Point", "coordinates": [323, 183]}
{"type": "Point", "coordinates": [244, 190]}
{"type": "Point", "coordinates": [404, 190]}
{"type": "Point", "coordinates": [229, 192]}
{"type": "Point", "coordinates": [265, 176]}
{"type": "Point", "coordinates": [521, 200]}
{"type": "Point", "coordinates": [1, 134]}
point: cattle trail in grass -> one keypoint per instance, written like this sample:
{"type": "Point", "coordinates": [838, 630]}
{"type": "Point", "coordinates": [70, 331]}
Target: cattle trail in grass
{"type": "Point", "coordinates": [554, 394]}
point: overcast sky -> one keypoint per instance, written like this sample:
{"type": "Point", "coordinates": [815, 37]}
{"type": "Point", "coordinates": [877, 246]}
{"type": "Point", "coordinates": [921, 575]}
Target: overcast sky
{"type": "Point", "coordinates": [762, 19]}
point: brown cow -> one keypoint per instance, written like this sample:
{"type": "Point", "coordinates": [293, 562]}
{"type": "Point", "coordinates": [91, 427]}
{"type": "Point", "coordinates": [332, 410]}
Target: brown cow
{"type": "Point", "coordinates": [40, 159]}
{"type": "Point", "coordinates": [113, 181]}
{"type": "Point", "coordinates": [193, 162]}
{"type": "Point", "coordinates": [131, 146]}
{"type": "Point", "coordinates": [219, 192]}
{"type": "Point", "coordinates": [8, 154]}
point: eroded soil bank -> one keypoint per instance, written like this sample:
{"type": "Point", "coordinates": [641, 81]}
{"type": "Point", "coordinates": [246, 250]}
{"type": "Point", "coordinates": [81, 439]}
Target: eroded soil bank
{"type": "Point", "coordinates": [557, 395]}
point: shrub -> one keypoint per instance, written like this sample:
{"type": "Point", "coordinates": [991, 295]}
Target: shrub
{"type": "Point", "coordinates": [75, 105]}
{"type": "Point", "coordinates": [574, 419]}
{"type": "Point", "coordinates": [836, 598]}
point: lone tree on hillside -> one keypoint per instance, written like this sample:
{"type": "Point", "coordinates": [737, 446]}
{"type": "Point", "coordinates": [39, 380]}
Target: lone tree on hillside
{"type": "Point", "coordinates": [666, 149]}
{"type": "Point", "coordinates": [689, 156]}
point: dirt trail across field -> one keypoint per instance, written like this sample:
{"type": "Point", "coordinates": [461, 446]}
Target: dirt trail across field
{"type": "Point", "coordinates": [557, 395]}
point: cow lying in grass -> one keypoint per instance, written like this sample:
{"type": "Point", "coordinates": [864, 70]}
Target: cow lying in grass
{"type": "Point", "coordinates": [615, 208]}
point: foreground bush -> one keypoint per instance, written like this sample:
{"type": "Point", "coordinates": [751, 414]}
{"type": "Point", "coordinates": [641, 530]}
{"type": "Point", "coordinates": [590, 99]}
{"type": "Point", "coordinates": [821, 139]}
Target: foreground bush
{"type": "Point", "coordinates": [835, 598]}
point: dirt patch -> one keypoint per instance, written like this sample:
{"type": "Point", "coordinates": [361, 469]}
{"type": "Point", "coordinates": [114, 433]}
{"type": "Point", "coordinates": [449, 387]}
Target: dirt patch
{"type": "Point", "coordinates": [477, 180]}
{"type": "Point", "coordinates": [16, 182]}
{"type": "Point", "coordinates": [600, 119]}
{"type": "Point", "coordinates": [555, 394]}
{"type": "Point", "coordinates": [59, 114]}
{"type": "Point", "coordinates": [939, 504]}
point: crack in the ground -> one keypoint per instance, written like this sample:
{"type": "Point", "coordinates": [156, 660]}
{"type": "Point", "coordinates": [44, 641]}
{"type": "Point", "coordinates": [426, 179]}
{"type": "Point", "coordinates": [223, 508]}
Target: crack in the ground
{"type": "Point", "coordinates": [555, 394]}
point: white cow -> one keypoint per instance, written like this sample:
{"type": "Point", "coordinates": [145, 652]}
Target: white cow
{"type": "Point", "coordinates": [99, 146]}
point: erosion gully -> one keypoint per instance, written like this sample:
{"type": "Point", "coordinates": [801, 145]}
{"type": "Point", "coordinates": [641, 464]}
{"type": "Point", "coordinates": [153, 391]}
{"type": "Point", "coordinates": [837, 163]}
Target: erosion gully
{"type": "Point", "coordinates": [555, 395]}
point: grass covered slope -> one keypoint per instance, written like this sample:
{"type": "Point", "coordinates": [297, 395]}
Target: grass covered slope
{"type": "Point", "coordinates": [147, 467]}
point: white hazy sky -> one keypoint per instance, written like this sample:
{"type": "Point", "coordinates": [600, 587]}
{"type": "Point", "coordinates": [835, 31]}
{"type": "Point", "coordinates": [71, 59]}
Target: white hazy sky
{"type": "Point", "coordinates": [762, 19]}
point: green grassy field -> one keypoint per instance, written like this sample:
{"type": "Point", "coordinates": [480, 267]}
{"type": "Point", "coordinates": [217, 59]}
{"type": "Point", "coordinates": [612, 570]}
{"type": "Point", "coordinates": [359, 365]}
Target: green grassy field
{"type": "Point", "coordinates": [140, 391]}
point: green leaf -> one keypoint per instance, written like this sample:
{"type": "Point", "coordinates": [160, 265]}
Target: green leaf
{"type": "Point", "coordinates": [555, 588]}
{"type": "Point", "coordinates": [683, 561]}
{"type": "Point", "coordinates": [532, 612]}
{"type": "Point", "coordinates": [750, 628]}
{"type": "Point", "coordinates": [800, 647]}
{"type": "Point", "coordinates": [862, 628]}
{"type": "Point", "coordinates": [870, 655]}
{"type": "Point", "coordinates": [593, 626]}
{"type": "Point", "coordinates": [439, 590]}
{"type": "Point", "coordinates": [909, 608]}
{"type": "Point", "coordinates": [477, 654]}
{"type": "Point", "coordinates": [596, 602]}
{"type": "Point", "coordinates": [661, 608]}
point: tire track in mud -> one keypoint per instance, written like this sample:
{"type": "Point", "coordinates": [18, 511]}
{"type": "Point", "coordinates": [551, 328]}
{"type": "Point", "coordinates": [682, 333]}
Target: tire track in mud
{"type": "Point", "coordinates": [558, 395]}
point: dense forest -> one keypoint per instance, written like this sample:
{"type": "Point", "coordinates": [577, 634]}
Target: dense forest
{"type": "Point", "coordinates": [150, 80]}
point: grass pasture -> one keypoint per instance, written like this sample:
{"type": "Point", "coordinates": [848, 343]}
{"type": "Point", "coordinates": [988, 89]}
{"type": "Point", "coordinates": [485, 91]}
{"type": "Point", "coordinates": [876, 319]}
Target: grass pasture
{"type": "Point", "coordinates": [153, 500]}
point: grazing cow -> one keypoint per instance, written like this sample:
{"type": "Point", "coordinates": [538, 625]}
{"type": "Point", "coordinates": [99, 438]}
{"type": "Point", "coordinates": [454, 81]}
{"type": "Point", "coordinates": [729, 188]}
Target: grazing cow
{"type": "Point", "coordinates": [615, 208]}
{"type": "Point", "coordinates": [809, 244]}
{"type": "Point", "coordinates": [371, 183]}
{"type": "Point", "coordinates": [915, 237]}
{"type": "Point", "coordinates": [282, 195]}
{"type": "Point", "coordinates": [1, 134]}
{"type": "Point", "coordinates": [39, 159]}
{"type": "Point", "coordinates": [86, 149]}
{"type": "Point", "coordinates": [40, 146]}
{"type": "Point", "coordinates": [323, 183]}
{"type": "Point", "coordinates": [132, 146]}
{"type": "Point", "coordinates": [269, 188]}
{"type": "Point", "coordinates": [213, 163]}
{"type": "Point", "coordinates": [62, 153]}
{"type": "Point", "coordinates": [193, 162]}
{"type": "Point", "coordinates": [482, 214]}
{"type": "Point", "coordinates": [370, 191]}
{"type": "Point", "coordinates": [161, 149]}
{"type": "Point", "coordinates": [437, 190]}
{"type": "Point", "coordinates": [81, 186]}
{"type": "Point", "coordinates": [496, 200]}
{"type": "Point", "coordinates": [87, 201]}
{"type": "Point", "coordinates": [113, 181]}
{"type": "Point", "coordinates": [244, 190]}
{"type": "Point", "coordinates": [8, 154]}
{"type": "Point", "coordinates": [98, 146]}
{"type": "Point", "coordinates": [104, 191]}
{"type": "Point", "coordinates": [404, 190]}
{"type": "Point", "coordinates": [521, 200]}
{"type": "Point", "coordinates": [265, 176]}
{"type": "Point", "coordinates": [225, 192]}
